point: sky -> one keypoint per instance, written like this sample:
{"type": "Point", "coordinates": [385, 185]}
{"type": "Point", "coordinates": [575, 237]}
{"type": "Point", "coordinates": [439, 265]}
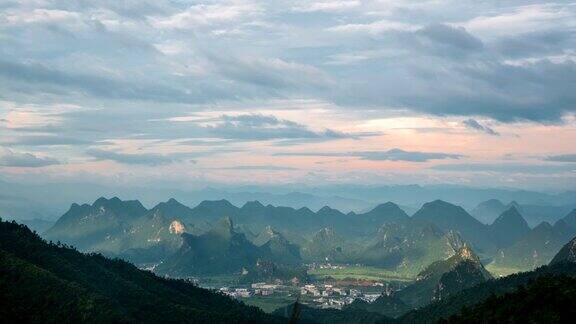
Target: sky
{"type": "Point", "coordinates": [199, 93]}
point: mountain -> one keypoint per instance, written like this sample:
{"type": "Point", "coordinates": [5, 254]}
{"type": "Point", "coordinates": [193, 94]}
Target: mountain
{"type": "Point", "coordinates": [325, 245]}
{"type": "Point", "coordinates": [570, 219]}
{"type": "Point", "coordinates": [497, 292]}
{"type": "Point", "coordinates": [487, 211]}
{"type": "Point", "coordinates": [387, 305]}
{"type": "Point", "coordinates": [212, 210]}
{"type": "Point", "coordinates": [37, 224]}
{"type": "Point", "coordinates": [51, 283]}
{"type": "Point", "coordinates": [547, 299]}
{"type": "Point", "coordinates": [219, 251]}
{"type": "Point", "coordinates": [409, 246]}
{"type": "Point", "coordinates": [308, 314]}
{"type": "Point", "coordinates": [124, 228]}
{"type": "Point", "coordinates": [536, 248]}
{"type": "Point", "coordinates": [536, 214]}
{"type": "Point", "coordinates": [278, 247]}
{"type": "Point", "coordinates": [508, 227]}
{"type": "Point", "coordinates": [444, 278]}
{"type": "Point", "coordinates": [222, 250]}
{"type": "Point", "coordinates": [87, 226]}
{"type": "Point", "coordinates": [451, 217]}
{"type": "Point", "coordinates": [265, 235]}
{"type": "Point", "coordinates": [384, 213]}
{"type": "Point", "coordinates": [173, 209]}
{"type": "Point", "coordinates": [566, 254]}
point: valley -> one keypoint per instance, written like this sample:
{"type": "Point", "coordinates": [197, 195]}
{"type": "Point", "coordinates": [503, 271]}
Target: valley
{"type": "Point", "coordinates": [271, 257]}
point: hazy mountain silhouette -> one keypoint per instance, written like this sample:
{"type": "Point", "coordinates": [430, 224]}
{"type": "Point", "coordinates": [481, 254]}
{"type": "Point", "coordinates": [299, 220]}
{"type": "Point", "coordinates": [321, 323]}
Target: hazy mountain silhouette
{"type": "Point", "coordinates": [509, 227]}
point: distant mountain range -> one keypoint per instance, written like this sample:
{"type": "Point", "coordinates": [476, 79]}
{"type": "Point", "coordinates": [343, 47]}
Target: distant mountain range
{"type": "Point", "coordinates": [487, 211]}
{"type": "Point", "coordinates": [48, 201]}
{"type": "Point", "coordinates": [537, 246]}
{"type": "Point", "coordinates": [384, 236]}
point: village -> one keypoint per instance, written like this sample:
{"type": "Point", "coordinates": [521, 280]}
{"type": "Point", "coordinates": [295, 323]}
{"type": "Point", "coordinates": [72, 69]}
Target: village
{"type": "Point", "coordinates": [320, 295]}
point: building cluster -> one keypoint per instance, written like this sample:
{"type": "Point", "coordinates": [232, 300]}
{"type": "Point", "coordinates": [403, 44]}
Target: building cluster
{"type": "Point", "coordinates": [317, 295]}
{"type": "Point", "coordinates": [256, 289]}
{"type": "Point", "coordinates": [328, 296]}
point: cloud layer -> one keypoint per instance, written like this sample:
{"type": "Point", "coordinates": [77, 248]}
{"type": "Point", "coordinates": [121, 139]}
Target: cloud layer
{"type": "Point", "coordinates": [236, 85]}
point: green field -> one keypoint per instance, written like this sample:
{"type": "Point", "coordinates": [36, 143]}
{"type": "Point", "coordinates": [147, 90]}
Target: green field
{"type": "Point", "coordinates": [218, 281]}
{"type": "Point", "coordinates": [360, 272]}
{"type": "Point", "coordinates": [269, 303]}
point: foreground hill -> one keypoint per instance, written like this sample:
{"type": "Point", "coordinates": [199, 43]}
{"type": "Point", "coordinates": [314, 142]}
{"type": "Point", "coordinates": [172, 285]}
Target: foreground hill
{"type": "Point", "coordinates": [444, 278]}
{"type": "Point", "coordinates": [525, 305]}
{"type": "Point", "coordinates": [566, 254]}
{"type": "Point", "coordinates": [467, 298]}
{"type": "Point", "coordinates": [549, 296]}
{"type": "Point", "coordinates": [41, 282]}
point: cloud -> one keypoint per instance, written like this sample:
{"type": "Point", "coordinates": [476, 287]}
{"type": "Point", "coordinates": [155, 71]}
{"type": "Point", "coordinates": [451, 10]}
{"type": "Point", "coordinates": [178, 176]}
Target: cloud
{"type": "Point", "coordinates": [561, 158]}
{"type": "Point", "coordinates": [333, 5]}
{"type": "Point", "coordinates": [475, 125]}
{"type": "Point", "coordinates": [375, 27]}
{"type": "Point", "coordinates": [133, 158]}
{"type": "Point", "coordinates": [539, 91]}
{"type": "Point", "coordinates": [260, 167]}
{"type": "Point", "coordinates": [509, 168]}
{"type": "Point", "coordinates": [519, 20]}
{"type": "Point", "coordinates": [95, 85]}
{"type": "Point", "coordinates": [45, 140]}
{"type": "Point", "coordinates": [266, 127]}
{"type": "Point", "coordinates": [401, 155]}
{"type": "Point", "coordinates": [130, 68]}
{"type": "Point", "coordinates": [206, 14]}
{"type": "Point", "coordinates": [390, 155]}
{"type": "Point", "coordinates": [274, 73]}
{"type": "Point", "coordinates": [9, 158]}
{"type": "Point", "coordinates": [455, 37]}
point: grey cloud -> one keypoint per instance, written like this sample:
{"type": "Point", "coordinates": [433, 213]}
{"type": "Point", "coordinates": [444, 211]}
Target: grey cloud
{"type": "Point", "coordinates": [272, 74]}
{"type": "Point", "coordinates": [45, 140]}
{"type": "Point", "coordinates": [475, 125]}
{"type": "Point", "coordinates": [260, 167]}
{"type": "Point", "coordinates": [135, 158]}
{"type": "Point", "coordinates": [510, 168]}
{"type": "Point", "coordinates": [456, 37]}
{"type": "Point", "coordinates": [390, 155]}
{"type": "Point", "coordinates": [401, 155]}
{"type": "Point", "coordinates": [540, 91]}
{"type": "Point", "coordinates": [267, 127]}
{"type": "Point", "coordinates": [9, 158]}
{"type": "Point", "coordinates": [561, 158]}
{"type": "Point", "coordinates": [535, 43]}
{"type": "Point", "coordinates": [103, 86]}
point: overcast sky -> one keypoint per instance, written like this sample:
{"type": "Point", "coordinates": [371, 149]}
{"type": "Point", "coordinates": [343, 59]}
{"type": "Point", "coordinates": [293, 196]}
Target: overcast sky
{"type": "Point", "coordinates": [194, 93]}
